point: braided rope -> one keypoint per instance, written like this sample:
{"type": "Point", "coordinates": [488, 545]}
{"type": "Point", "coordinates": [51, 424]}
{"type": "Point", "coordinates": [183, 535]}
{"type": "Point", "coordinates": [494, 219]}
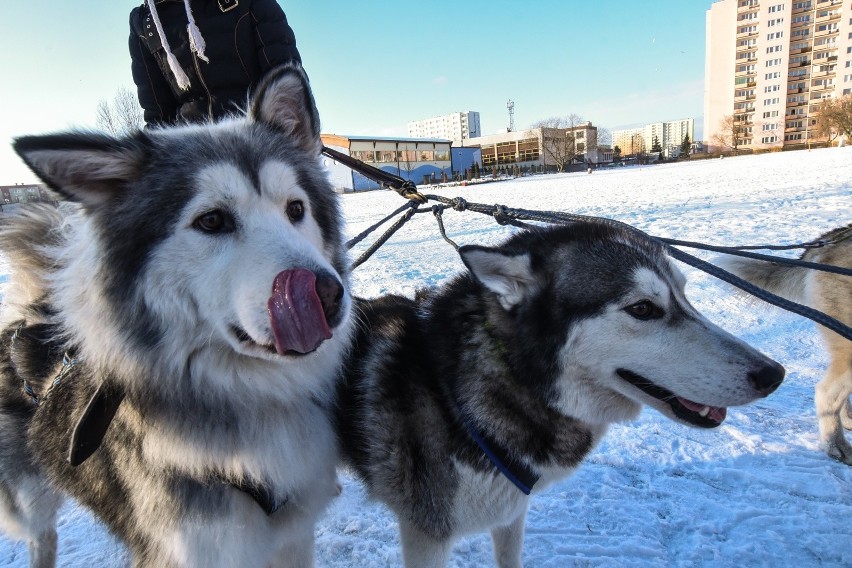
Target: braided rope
{"type": "Point", "coordinates": [514, 216]}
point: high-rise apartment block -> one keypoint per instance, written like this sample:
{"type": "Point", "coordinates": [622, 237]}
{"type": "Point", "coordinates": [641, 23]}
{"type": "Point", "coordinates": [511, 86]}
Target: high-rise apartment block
{"type": "Point", "coordinates": [769, 64]}
{"type": "Point", "coordinates": [458, 127]}
{"type": "Point", "coordinates": [669, 134]}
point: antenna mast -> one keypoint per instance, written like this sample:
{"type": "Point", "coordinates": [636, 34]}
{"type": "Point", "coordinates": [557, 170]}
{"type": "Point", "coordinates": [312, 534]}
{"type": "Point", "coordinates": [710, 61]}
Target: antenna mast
{"type": "Point", "coordinates": [511, 106]}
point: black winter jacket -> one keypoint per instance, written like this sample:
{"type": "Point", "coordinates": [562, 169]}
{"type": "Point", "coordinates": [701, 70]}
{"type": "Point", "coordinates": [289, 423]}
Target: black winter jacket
{"type": "Point", "coordinates": [244, 39]}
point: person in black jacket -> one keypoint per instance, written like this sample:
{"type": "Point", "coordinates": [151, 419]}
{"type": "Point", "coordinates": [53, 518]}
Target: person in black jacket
{"type": "Point", "coordinates": [196, 60]}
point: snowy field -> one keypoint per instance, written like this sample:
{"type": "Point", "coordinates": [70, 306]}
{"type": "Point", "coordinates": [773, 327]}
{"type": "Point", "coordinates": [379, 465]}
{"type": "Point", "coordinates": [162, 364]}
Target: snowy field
{"type": "Point", "coordinates": [758, 491]}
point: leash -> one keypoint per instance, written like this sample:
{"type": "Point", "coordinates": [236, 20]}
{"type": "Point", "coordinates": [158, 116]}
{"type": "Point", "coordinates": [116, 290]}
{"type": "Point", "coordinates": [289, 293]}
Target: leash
{"type": "Point", "coordinates": [515, 216]}
{"type": "Point", "coordinates": [404, 187]}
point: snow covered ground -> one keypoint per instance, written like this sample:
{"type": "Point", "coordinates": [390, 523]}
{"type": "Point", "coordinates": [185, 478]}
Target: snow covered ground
{"type": "Point", "coordinates": [758, 491]}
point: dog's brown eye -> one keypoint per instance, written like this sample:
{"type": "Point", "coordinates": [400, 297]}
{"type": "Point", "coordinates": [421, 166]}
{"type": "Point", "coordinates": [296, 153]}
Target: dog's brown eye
{"type": "Point", "coordinates": [215, 221]}
{"type": "Point", "coordinates": [295, 211]}
{"type": "Point", "coordinates": [645, 310]}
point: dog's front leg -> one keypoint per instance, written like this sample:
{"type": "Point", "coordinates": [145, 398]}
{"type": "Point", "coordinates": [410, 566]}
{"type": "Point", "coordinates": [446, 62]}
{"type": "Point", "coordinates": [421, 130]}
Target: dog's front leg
{"type": "Point", "coordinates": [422, 551]}
{"type": "Point", "coordinates": [508, 542]}
{"type": "Point", "coordinates": [831, 398]}
{"type": "Point", "coordinates": [43, 549]}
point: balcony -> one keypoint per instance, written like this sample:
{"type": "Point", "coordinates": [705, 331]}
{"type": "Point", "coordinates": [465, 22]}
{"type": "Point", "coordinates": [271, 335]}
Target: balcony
{"type": "Point", "coordinates": [828, 18]}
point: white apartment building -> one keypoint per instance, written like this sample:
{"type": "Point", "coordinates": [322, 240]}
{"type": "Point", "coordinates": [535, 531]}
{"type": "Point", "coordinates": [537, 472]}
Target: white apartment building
{"type": "Point", "coordinates": [640, 140]}
{"type": "Point", "coordinates": [458, 127]}
{"type": "Point", "coordinates": [769, 64]}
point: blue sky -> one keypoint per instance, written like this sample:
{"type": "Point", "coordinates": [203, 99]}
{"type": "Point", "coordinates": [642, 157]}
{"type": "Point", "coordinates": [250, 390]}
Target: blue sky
{"type": "Point", "coordinates": [375, 65]}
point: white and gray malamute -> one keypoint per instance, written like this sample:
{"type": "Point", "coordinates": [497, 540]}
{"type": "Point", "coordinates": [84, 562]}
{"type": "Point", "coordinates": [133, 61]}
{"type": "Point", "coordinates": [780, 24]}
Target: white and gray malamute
{"type": "Point", "coordinates": [460, 403]}
{"type": "Point", "coordinates": [171, 340]}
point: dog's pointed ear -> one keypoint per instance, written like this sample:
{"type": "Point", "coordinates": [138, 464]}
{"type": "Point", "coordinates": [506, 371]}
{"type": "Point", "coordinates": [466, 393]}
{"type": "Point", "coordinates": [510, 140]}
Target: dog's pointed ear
{"type": "Point", "coordinates": [510, 276]}
{"type": "Point", "coordinates": [89, 168]}
{"type": "Point", "coordinates": [284, 101]}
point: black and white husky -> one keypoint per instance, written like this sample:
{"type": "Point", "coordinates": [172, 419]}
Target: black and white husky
{"type": "Point", "coordinates": [171, 340]}
{"type": "Point", "coordinates": [459, 404]}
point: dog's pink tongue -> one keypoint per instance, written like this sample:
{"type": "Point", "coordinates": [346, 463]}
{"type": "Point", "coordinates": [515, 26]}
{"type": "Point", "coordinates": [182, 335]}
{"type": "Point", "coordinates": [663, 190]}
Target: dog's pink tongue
{"type": "Point", "coordinates": [712, 412]}
{"type": "Point", "coordinates": [296, 313]}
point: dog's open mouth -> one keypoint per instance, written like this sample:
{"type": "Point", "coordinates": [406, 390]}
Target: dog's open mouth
{"type": "Point", "coordinates": [694, 413]}
{"type": "Point", "coordinates": [246, 339]}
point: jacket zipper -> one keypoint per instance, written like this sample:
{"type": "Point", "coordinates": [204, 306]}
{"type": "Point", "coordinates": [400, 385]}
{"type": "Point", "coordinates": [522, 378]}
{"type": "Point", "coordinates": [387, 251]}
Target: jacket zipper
{"type": "Point", "coordinates": [204, 84]}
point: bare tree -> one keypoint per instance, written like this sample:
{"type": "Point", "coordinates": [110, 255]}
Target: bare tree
{"type": "Point", "coordinates": [728, 133]}
{"type": "Point", "coordinates": [604, 137]}
{"type": "Point", "coordinates": [121, 117]}
{"type": "Point", "coordinates": [835, 118]}
{"type": "Point", "coordinates": [408, 160]}
{"type": "Point", "coordinates": [558, 139]}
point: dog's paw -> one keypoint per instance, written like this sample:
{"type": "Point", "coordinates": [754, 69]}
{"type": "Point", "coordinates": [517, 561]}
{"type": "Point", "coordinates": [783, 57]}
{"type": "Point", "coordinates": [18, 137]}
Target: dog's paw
{"type": "Point", "coordinates": [840, 450]}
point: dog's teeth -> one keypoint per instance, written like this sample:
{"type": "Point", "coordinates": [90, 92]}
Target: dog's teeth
{"type": "Point", "coordinates": [704, 412]}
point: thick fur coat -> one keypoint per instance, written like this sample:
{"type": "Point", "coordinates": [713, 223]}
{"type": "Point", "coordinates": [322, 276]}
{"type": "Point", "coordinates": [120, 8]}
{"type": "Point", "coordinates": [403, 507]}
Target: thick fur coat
{"type": "Point", "coordinates": [197, 291]}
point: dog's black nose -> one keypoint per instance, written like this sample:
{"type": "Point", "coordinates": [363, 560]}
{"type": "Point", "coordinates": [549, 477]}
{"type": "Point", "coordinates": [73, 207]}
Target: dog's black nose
{"type": "Point", "coordinates": [330, 292]}
{"type": "Point", "coordinates": [767, 379]}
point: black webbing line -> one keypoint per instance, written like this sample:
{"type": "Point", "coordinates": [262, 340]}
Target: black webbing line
{"type": "Point", "coordinates": [412, 208]}
{"type": "Point", "coordinates": [722, 274]}
{"type": "Point", "coordinates": [743, 251]}
{"type": "Point", "coordinates": [555, 217]}
{"type": "Point", "coordinates": [363, 234]}
{"type": "Point", "coordinates": [509, 216]}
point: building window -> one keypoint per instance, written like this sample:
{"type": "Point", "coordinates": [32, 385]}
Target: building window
{"type": "Point", "coordinates": [773, 62]}
{"type": "Point", "coordinates": [827, 27]}
{"type": "Point", "coordinates": [775, 22]}
{"type": "Point", "coordinates": [768, 127]}
{"type": "Point", "coordinates": [773, 101]}
{"type": "Point", "coordinates": [776, 8]}
{"type": "Point", "coordinates": [768, 140]}
{"type": "Point", "coordinates": [771, 88]}
{"type": "Point", "coordinates": [773, 49]}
